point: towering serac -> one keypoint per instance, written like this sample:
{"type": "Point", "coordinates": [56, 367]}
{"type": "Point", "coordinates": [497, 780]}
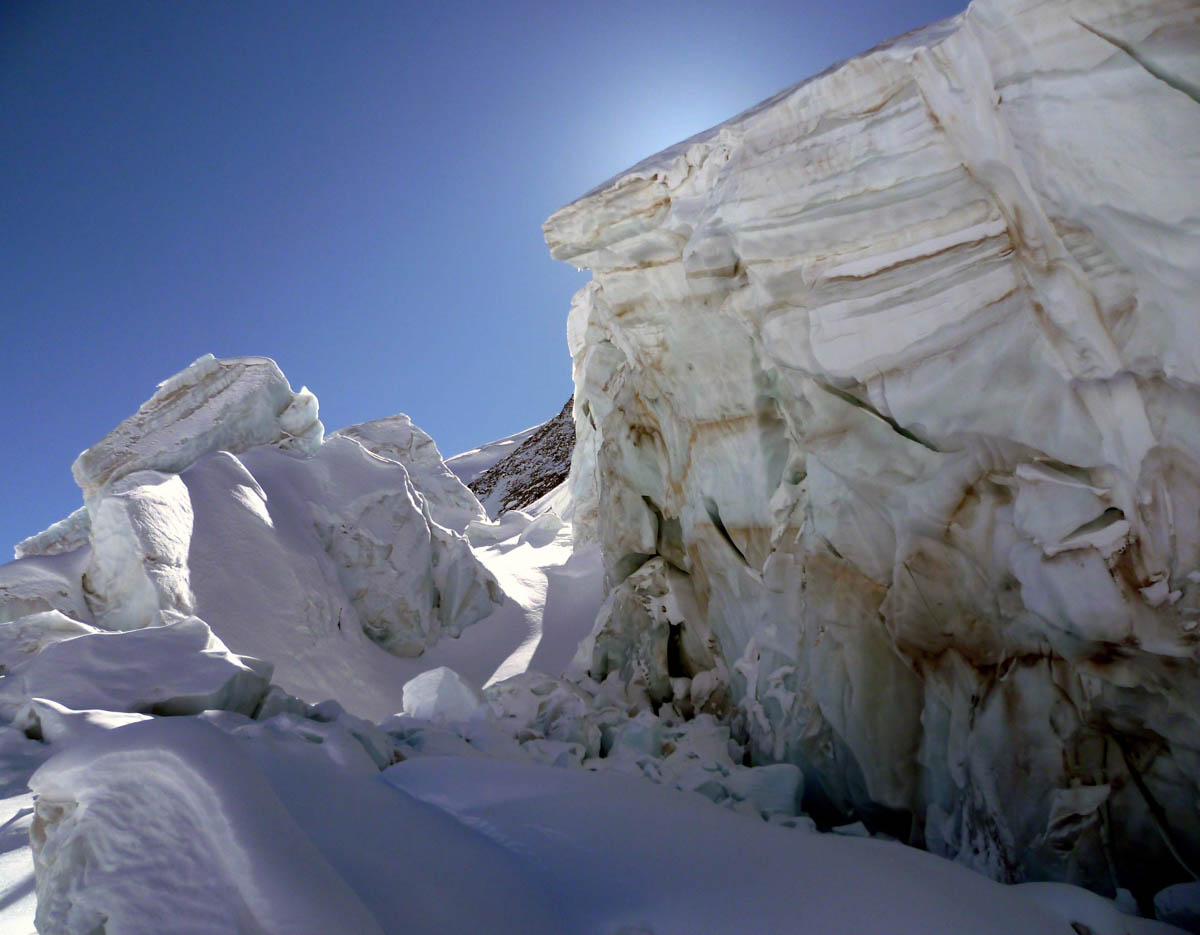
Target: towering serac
{"type": "Point", "coordinates": [888, 404]}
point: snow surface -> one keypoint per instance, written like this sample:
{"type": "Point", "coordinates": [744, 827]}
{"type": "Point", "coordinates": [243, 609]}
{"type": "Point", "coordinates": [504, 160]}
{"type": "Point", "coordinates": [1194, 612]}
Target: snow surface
{"type": "Point", "coordinates": [236, 835]}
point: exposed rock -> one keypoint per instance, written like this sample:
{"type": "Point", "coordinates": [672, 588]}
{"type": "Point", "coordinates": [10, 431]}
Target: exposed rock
{"type": "Point", "coordinates": [534, 468]}
{"type": "Point", "coordinates": [899, 372]}
{"type": "Point", "coordinates": [468, 465]}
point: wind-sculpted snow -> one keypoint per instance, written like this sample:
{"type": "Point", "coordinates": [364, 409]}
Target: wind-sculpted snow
{"type": "Point", "coordinates": [143, 828]}
{"type": "Point", "coordinates": [176, 669]}
{"type": "Point", "coordinates": [891, 386]}
{"type": "Point", "coordinates": [285, 825]}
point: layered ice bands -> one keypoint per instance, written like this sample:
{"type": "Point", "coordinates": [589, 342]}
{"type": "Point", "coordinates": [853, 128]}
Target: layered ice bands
{"type": "Point", "coordinates": [888, 413]}
{"type": "Point", "coordinates": [213, 405]}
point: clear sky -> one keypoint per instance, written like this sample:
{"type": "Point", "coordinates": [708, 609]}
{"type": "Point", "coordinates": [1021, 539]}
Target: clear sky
{"type": "Point", "coordinates": [355, 189]}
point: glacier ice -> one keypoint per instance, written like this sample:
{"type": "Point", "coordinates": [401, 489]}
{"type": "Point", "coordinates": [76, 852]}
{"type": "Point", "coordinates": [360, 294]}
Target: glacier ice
{"type": "Point", "coordinates": [451, 504]}
{"type": "Point", "coordinates": [893, 379]}
{"type": "Point", "coordinates": [64, 536]}
{"type": "Point", "coordinates": [141, 531]}
{"type": "Point", "coordinates": [887, 442]}
{"type": "Point", "coordinates": [42, 583]}
{"type": "Point", "coordinates": [220, 499]}
{"type": "Point", "coordinates": [212, 405]}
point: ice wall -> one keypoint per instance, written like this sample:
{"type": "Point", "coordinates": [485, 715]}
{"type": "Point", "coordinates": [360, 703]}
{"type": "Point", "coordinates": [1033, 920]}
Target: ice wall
{"type": "Point", "coordinates": [895, 379]}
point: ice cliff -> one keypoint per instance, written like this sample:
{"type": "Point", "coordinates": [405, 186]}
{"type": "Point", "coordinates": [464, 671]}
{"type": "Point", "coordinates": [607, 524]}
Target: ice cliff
{"type": "Point", "coordinates": [888, 413]}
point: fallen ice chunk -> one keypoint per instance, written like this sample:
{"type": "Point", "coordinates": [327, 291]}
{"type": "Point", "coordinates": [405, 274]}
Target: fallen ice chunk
{"type": "Point", "coordinates": [28, 635]}
{"type": "Point", "coordinates": [443, 694]}
{"type": "Point", "coordinates": [451, 502]}
{"type": "Point", "coordinates": [177, 669]}
{"type": "Point", "coordinates": [488, 532]}
{"type": "Point", "coordinates": [141, 537]}
{"type": "Point", "coordinates": [64, 536]}
{"type": "Point", "coordinates": [44, 582]}
{"type": "Point", "coordinates": [777, 787]}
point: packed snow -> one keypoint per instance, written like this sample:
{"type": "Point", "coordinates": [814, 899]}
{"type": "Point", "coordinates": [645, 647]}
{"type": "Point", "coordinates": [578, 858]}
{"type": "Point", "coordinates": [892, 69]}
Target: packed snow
{"type": "Point", "coordinates": [236, 831]}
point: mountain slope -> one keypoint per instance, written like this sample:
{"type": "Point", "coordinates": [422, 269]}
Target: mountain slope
{"type": "Point", "coordinates": [532, 469]}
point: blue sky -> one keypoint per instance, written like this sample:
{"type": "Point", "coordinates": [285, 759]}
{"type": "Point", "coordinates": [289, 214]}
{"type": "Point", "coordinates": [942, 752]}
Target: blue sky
{"type": "Point", "coordinates": [355, 189]}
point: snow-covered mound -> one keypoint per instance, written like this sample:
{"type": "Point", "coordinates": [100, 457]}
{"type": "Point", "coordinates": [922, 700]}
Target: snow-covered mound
{"type": "Point", "coordinates": [888, 399]}
{"type": "Point", "coordinates": [534, 468]}
{"type": "Point", "coordinates": [241, 830]}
